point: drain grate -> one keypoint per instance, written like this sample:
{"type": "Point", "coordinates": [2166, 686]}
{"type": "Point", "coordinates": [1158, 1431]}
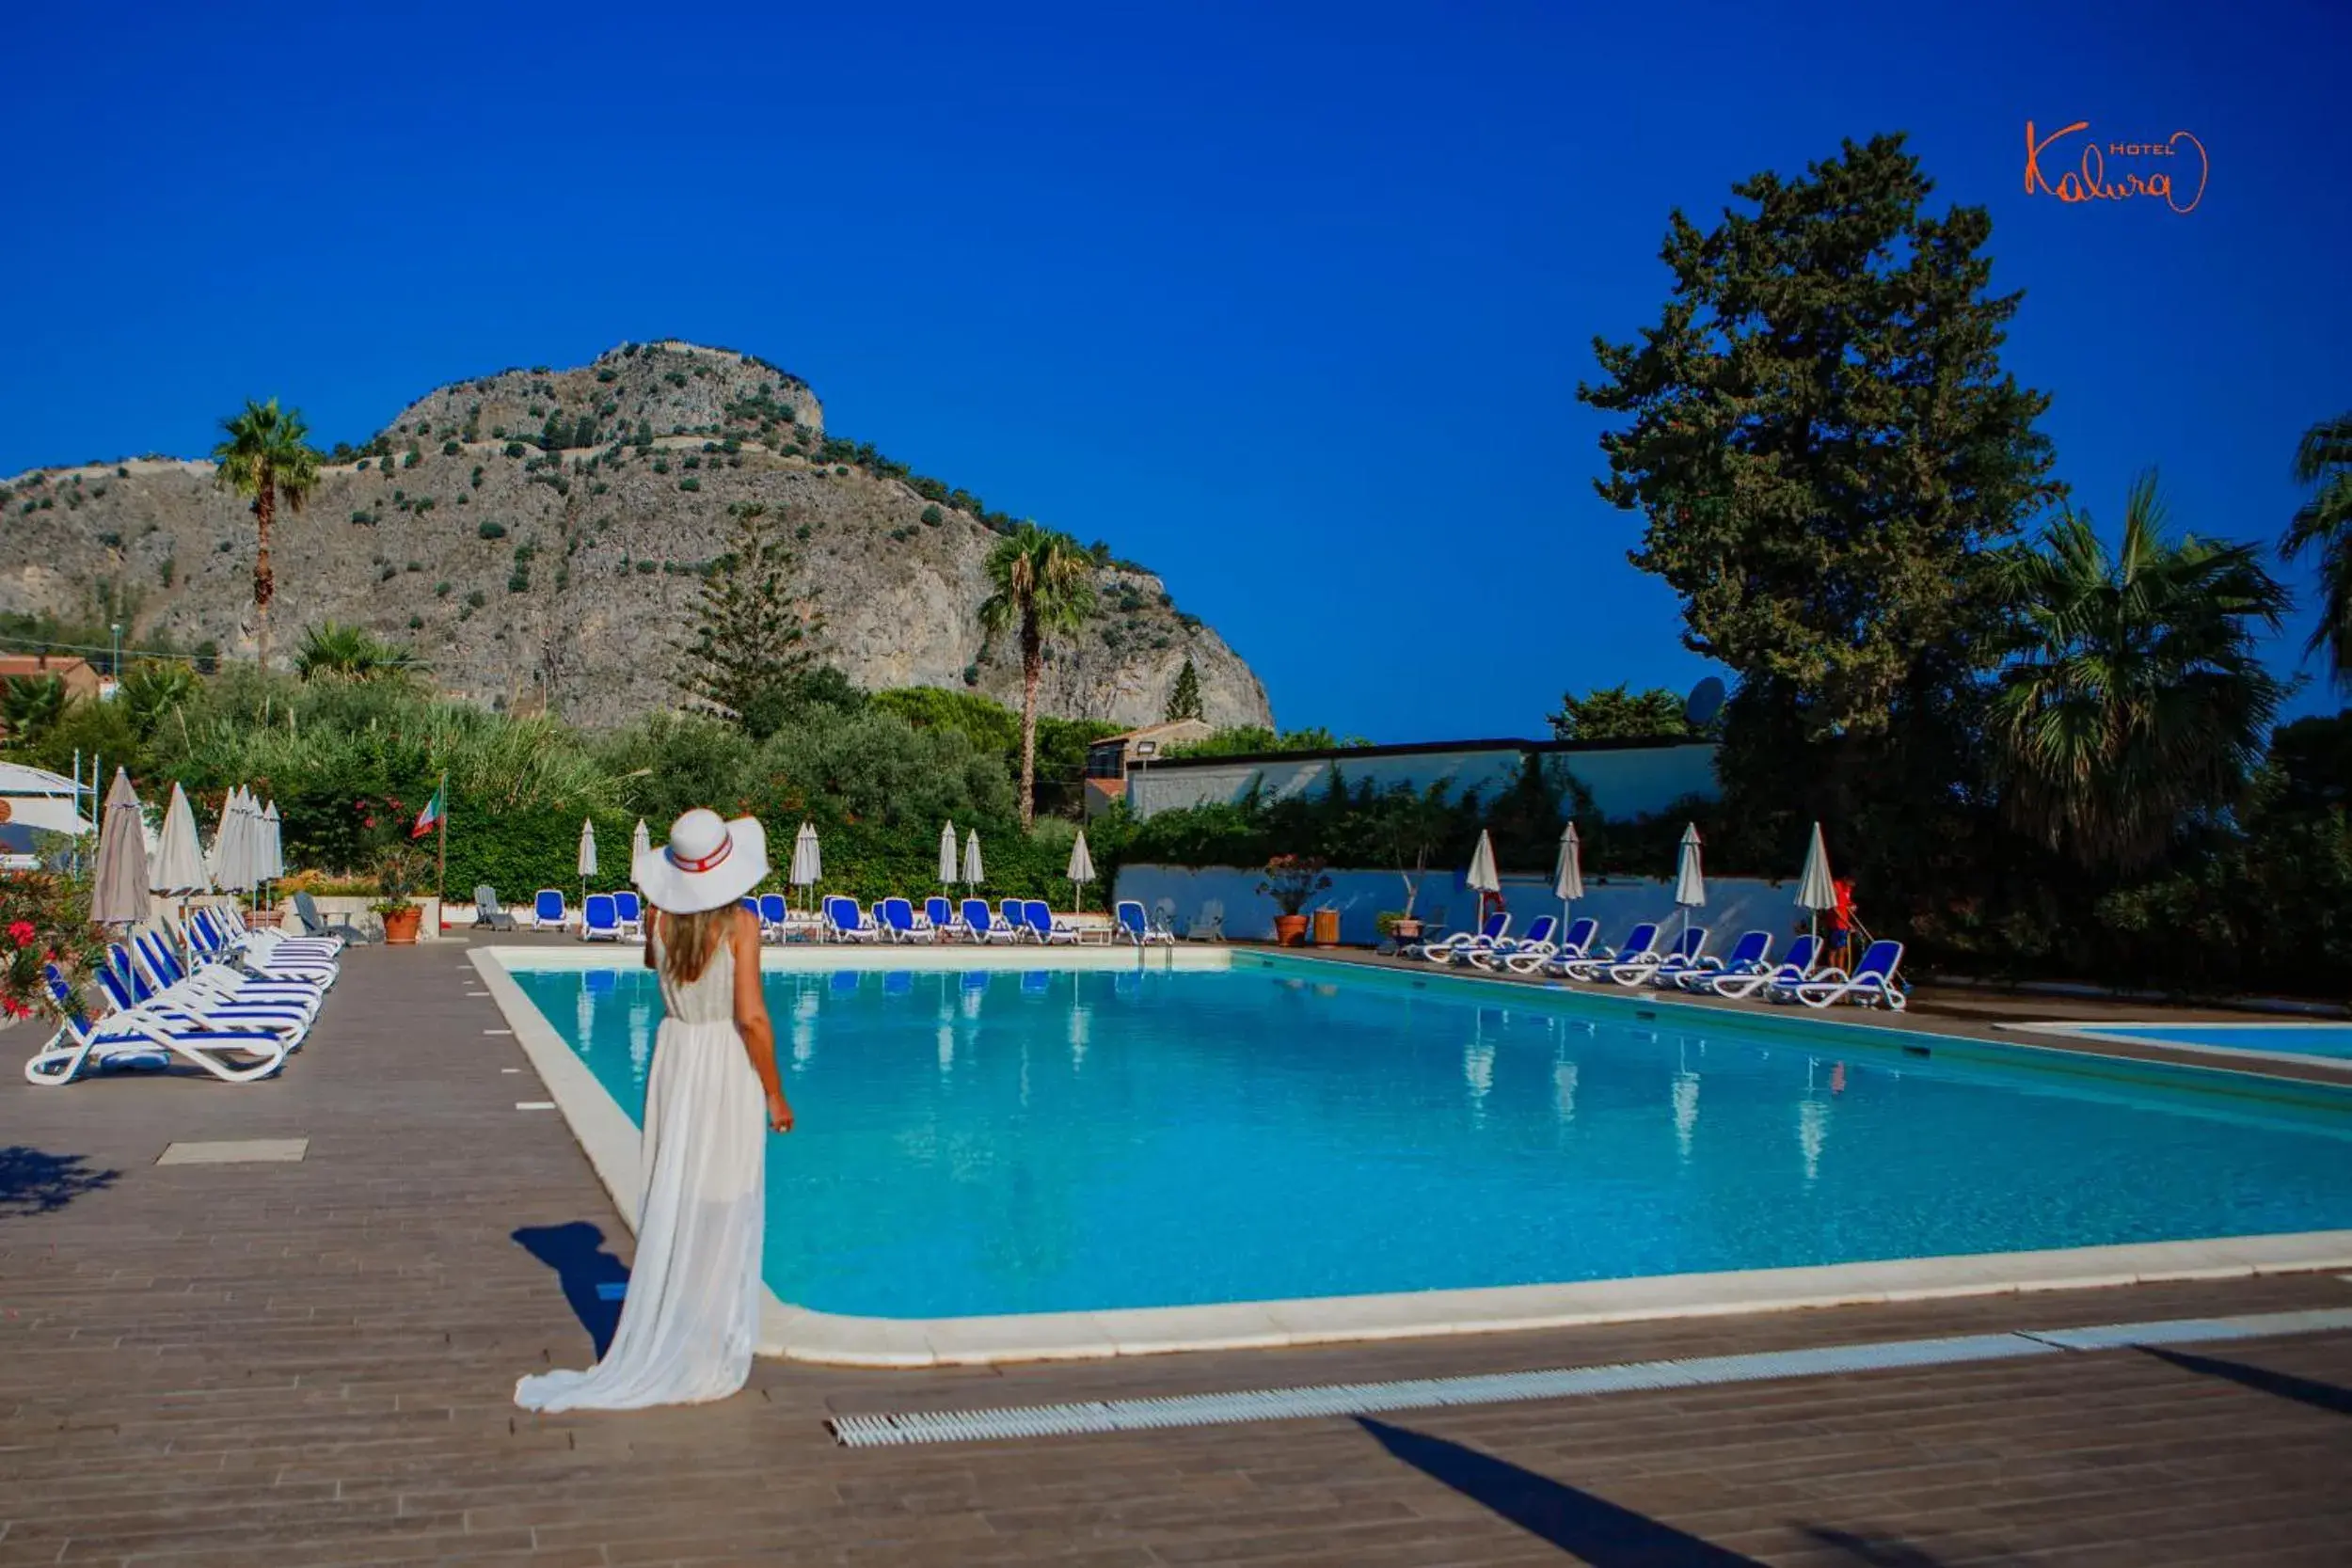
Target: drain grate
{"type": "Point", "coordinates": [1366, 1399]}
{"type": "Point", "coordinates": [2190, 1331]}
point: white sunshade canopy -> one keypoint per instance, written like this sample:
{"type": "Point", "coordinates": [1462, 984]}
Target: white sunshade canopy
{"type": "Point", "coordinates": [1481, 878]}
{"type": "Point", "coordinates": [973, 872]}
{"type": "Point", "coordinates": [1567, 872]}
{"type": "Point", "coordinates": [808, 861]}
{"type": "Point", "coordinates": [1816, 891]}
{"type": "Point", "coordinates": [179, 865]}
{"type": "Point", "coordinates": [36, 798]}
{"type": "Point", "coordinates": [1689, 879]}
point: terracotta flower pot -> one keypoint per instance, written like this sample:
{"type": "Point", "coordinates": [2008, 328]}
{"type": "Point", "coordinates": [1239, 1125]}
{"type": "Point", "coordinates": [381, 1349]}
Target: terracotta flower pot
{"type": "Point", "coordinates": [1289, 928]}
{"type": "Point", "coordinates": [400, 926]}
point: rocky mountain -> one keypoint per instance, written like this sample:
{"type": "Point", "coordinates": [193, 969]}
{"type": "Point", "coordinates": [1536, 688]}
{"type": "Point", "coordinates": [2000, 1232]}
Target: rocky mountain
{"type": "Point", "coordinates": [538, 535]}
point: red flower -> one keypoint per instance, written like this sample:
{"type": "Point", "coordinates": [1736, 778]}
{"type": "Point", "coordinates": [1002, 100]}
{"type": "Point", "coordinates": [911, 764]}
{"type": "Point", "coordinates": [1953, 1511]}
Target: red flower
{"type": "Point", "coordinates": [370, 822]}
{"type": "Point", "coordinates": [21, 933]}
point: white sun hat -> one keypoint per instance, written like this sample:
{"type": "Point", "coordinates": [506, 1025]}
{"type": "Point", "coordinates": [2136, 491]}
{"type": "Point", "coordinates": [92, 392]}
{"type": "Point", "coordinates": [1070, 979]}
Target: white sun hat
{"type": "Point", "coordinates": [708, 865]}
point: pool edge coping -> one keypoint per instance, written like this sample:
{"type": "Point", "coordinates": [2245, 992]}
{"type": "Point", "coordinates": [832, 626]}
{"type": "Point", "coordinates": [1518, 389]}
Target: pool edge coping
{"type": "Point", "coordinates": [611, 1142]}
{"type": "Point", "coordinates": [2059, 1029]}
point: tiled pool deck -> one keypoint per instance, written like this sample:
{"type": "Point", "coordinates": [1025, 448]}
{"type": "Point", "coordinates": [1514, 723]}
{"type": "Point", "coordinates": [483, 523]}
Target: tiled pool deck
{"type": "Point", "coordinates": [295, 1362]}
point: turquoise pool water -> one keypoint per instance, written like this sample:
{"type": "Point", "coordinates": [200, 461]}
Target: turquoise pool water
{"type": "Point", "coordinates": [2299, 1039]}
{"type": "Point", "coordinates": [974, 1143]}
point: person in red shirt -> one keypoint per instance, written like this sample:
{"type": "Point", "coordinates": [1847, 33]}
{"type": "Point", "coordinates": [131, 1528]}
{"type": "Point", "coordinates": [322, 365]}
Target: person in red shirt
{"type": "Point", "coordinates": [1841, 923]}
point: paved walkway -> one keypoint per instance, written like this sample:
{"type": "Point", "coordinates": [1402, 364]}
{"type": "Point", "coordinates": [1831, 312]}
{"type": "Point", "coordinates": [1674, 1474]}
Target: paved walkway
{"type": "Point", "coordinates": [313, 1364]}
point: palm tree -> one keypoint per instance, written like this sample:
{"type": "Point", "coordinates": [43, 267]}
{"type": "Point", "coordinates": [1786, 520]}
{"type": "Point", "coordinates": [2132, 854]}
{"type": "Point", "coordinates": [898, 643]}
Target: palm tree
{"type": "Point", "coordinates": [331, 650]}
{"type": "Point", "coordinates": [2133, 697]}
{"type": "Point", "coordinates": [265, 456]}
{"type": "Point", "coordinates": [1044, 583]}
{"type": "Point", "coordinates": [31, 705]}
{"type": "Point", "coordinates": [2322, 460]}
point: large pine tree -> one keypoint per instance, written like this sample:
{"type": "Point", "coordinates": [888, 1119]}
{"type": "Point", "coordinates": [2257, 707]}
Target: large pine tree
{"type": "Point", "coordinates": [1184, 699]}
{"type": "Point", "coordinates": [750, 646]}
{"type": "Point", "coordinates": [1830, 463]}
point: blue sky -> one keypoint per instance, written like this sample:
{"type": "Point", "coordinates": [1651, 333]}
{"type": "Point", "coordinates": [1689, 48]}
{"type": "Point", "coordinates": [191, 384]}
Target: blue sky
{"type": "Point", "coordinates": [1289, 303]}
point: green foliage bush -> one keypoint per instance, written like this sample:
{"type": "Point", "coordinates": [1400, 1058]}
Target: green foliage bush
{"type": "Point", "coordinates": [488, 528]}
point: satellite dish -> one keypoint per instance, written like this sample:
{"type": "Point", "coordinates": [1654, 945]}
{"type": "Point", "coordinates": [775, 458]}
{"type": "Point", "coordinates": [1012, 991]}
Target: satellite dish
{"type": "Point", "coordinates": [1705, 702]}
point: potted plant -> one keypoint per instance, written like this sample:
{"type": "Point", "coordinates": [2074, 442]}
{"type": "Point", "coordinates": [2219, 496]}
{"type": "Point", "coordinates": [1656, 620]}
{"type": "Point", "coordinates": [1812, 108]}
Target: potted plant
{"type": "Point", "coordinates": [399, 873]}
{"type": "Point", "coordinates": [1289, 881]}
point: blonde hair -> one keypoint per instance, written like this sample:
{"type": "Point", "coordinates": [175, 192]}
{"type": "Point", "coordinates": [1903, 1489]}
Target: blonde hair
{"type": "Point", "coordinates": [688, 941]}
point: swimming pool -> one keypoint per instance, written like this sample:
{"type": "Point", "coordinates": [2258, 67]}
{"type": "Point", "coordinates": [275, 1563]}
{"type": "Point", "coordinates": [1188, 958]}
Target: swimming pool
{"type": "Point", "coordinates": [984, 1142]}
{"type": "Point", "coordinates": [2329, 1042]}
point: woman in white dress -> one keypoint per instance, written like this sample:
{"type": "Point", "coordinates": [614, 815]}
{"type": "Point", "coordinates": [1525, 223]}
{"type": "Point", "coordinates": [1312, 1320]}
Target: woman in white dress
{"type": "Point", "coordinates": [690, 1319]}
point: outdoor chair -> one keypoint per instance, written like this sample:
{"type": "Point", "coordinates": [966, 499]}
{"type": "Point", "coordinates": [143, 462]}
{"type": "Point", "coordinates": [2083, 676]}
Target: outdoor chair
{"type": "Point", "coordinates": [1209, 925]}
{"type": "Point", "coordinates": [1641, 939]}
{"type": "Point", "coordinates": [1793, 970]}
{"type": "Point", "coordinates": [1133, 927]}
{"type": "Point", "coordinates": [145, 1039]}
{"type": "Point", "coordinates": [1443, 949]}
{"type": "Point", "coordinates": [548, 912]}
{"type": "Point", "coordinates": [894, 918]}
{"type": "Point", "coordinates": [1039, 917]}
{"type": "Point", "coordinates": [1871, 982]}
{"type": "Point", "coordinates": [981, 925]}
{"type": "Point", "coordinates": [773, 912]}
{"type": "Point", "coordinates": [1750, 954]}
{"type": "Point", "coordinates": [488, 911]}
{"type": "Point", "coordinates": [599, 918]}
{"type": "Point", "coordinates": [1537, 940]}
{"type": "Point", "coordinates": [1637, 968]}
{"type": "Point", "coordinates": [316, 925]}
{"type": "Point", "coordinates": [846, 922]}
{"type": "Point", "coordinates": [1578, 939]}
{"type": "Point", "coordinates": [633, 912]}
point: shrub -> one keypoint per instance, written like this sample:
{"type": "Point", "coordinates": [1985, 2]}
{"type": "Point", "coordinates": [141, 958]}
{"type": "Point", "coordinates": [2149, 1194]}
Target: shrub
{"type": "Point", "coordinates": [488, 528]}
{"type": "Point", "coordinates": [972, 675]}
{"type": "Point", "coordinates": [477, 476]}
{"type": "Point", "coordinates": [410, 461]}
{"type": "Point", "coordinates": [516, 449]}
{"type": "Point", "coordinates": [416, 566]}
{"type": "Point", "coordinates": [415, 623]}
{"type": "Point", "coordinates": [360, 467]}
{"type": "Point", "coordinates": [165, 572]}
{"type": "Point", "coordinates": [689, 461]}
{"type": "Point", "coordinates": [476, 599]}
{"type": "Point", "coordinates": [647, 568]}
{"type": "Point", "coordinates": [932, 516]}
{"type": "Point", "coordinates": [365, 519]}
{"type": "Point", "coordinates": [608, 375]}
{"type": "Point", "coordinates": [111, 540]}
{"type": "Point", "coordinates": [801, 533]}
{"type": "Point", "coordinates": [440, 589]}
{"type": "Point", "coordinates": [451, 449]}
{"type": "Point", "coordinates": [520, 581]}
{"type": "Point", "coordinates": [689, 484]}
{"type": "Point", "coordinates": [386, 574]}
{"type": "Point", "coordinates": [661, 464]}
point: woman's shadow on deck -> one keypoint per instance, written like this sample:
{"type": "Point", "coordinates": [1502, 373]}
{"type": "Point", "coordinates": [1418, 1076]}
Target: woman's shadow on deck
{"type": "Point", "coordinates": [593, 1281]}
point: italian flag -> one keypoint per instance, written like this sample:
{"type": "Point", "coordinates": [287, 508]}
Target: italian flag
{"type": "Point", "coordinates": [429, 817]}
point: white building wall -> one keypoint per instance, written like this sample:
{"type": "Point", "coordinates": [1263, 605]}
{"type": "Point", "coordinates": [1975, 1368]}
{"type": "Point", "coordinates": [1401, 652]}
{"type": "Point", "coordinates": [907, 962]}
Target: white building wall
{"type": "Point", "coordinates": [1734, 904]}
{"type": "Point", "coordinates": [1635, 781]}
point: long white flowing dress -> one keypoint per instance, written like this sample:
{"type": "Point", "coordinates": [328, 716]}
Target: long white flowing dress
{"type": "Point", "coordinates": [690, 1319]}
